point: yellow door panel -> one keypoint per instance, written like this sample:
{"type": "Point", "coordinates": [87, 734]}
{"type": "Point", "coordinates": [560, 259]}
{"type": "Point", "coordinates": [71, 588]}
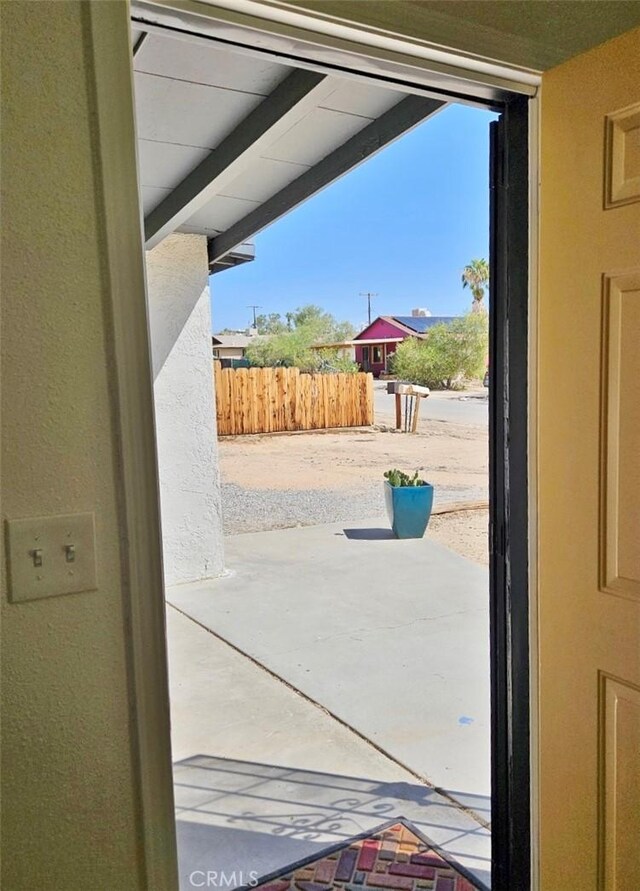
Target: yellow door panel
{"type": "Point", "coordinates": [620, 461]}
{"type": "Point", "coordinates": [620, 785]}
{"type": "Point", "coordinates": [589, 471]}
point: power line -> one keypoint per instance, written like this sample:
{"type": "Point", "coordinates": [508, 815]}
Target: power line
{"type": "Point", "coordinates": [368, 295]}
{"type": "Point", "coordinates": [254, 307]}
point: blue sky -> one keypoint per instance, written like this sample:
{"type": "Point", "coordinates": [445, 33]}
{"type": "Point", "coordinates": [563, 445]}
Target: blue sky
{"type": "Point", "coordinates": [403, 224]}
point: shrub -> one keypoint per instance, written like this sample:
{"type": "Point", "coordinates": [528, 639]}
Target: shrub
{"type": "Point", "coordinates": [290, 348]}
{"type": "Point", "coordinates": [448, 356]}
{"type": "Point", "coordinates": [294, 349]}
{"type": "Point", "coordinates": [331, 362]}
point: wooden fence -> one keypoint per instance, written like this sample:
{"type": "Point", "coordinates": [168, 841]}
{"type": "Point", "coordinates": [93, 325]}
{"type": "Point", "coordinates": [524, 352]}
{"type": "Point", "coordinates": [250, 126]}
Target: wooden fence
{"type": "Point", "coordinates": [268, 400]}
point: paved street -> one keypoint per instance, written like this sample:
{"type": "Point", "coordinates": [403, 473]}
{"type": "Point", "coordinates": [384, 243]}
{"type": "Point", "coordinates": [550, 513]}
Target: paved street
{"type": "Point", "coordinates": [468, 407]}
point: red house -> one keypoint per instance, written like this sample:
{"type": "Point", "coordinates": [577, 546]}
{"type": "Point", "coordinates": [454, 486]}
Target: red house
{"type": "Point", "coordinates": [379, 340]}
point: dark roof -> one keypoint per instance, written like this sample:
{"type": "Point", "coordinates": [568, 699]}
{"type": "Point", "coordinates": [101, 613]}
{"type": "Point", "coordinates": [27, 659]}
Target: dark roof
{"type": "Point", "coordinates": [420, 324]}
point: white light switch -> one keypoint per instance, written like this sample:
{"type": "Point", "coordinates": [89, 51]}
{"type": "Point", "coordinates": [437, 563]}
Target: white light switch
{"type": "Point", "coordinates": [48, 556]}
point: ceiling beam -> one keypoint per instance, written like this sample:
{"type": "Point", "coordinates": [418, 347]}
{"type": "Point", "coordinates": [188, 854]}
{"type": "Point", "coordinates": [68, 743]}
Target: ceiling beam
{"type": "Point", "coordinates": [291, 100]}
{"type": "Point", "coordinates": [245, 253]}
{"type": "Point", "coordinates": [138, 44]}
{"type": "Point", "coordinates": [393, 123]}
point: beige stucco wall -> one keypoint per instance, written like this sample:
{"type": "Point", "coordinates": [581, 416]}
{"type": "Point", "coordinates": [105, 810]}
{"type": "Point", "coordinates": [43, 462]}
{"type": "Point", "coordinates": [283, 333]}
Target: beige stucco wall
{"type": "Point", "coordinates": [69, 786]}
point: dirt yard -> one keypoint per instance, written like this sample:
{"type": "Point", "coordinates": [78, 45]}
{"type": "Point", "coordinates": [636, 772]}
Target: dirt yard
{"type": "Point", "coordinates": [276, 481]}
{"type": "Point", "coordinates": [449, 456]}
{"type": "Point", "coordinates": [465, 532]}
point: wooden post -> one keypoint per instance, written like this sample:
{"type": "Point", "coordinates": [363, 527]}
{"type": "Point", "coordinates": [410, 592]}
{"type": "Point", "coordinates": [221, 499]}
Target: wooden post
{"type": "Point", "coordinates": [416, 408]}
{"type": "Point", "coordinates": [398, 411]}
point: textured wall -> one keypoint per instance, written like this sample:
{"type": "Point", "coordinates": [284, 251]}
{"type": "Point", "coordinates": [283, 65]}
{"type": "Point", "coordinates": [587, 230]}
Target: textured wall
{"type": "Point", "coordinates": [180, 321]}
{"type": "Point", "coordinates": [533, 35]}
{"type": "Point", "coordinates": [69, 786]}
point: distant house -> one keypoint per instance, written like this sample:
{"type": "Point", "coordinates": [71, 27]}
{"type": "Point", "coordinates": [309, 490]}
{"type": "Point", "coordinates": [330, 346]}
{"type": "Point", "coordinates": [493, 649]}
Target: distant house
{"type": "Point", "coordinates": [380, 339]}
{"type": "Point", "coordinates": [228, 347]}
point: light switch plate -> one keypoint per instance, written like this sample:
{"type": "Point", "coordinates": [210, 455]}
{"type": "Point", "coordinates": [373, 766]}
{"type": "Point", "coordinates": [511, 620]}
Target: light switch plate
{"type": "Point", "coordinates": [49, 556]}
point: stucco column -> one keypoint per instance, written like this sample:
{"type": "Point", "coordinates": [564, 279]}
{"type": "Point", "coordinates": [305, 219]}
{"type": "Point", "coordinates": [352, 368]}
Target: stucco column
{"type": "Point", "coordinates": [180, 322]}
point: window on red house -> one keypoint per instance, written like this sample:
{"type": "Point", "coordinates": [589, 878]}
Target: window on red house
{"type": "Point", "coordinates": [377, 355]}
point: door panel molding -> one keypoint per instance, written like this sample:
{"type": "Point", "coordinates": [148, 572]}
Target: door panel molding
{"type": "Point", "coordinates": [619, 532]}
{"type": "Point", "coordinates": [622, 179]}
{"type": "Point", "coordinates": [618, 784]}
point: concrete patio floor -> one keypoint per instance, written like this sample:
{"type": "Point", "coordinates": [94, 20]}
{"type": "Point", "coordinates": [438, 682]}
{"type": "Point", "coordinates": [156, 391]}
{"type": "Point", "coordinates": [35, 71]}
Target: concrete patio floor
{"type": "Point", "coordinates": [264, 778]}
{"type": "Point", "coordinates": [389, 636]}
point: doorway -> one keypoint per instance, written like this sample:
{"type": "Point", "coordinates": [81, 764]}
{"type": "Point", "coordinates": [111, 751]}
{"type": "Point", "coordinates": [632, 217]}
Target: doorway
{"type": "Point", "coordinates": [508, 413]}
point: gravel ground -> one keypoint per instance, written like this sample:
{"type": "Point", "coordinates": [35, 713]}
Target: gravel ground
{"type": "Point", "coordinates": [275, 482]}
{"type": "Point", "coordinates": [257, 510]}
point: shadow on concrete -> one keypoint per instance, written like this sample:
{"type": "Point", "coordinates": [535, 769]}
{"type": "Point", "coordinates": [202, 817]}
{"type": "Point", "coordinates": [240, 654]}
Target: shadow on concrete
{"type": "Point", "coordinates": [244, 820]}
{"type": "Point", "coordinates": [369, 534]}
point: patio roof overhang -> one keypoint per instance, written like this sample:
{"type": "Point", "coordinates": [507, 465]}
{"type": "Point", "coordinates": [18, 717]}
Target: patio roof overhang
{"type": "Point", "coordinates": [343, 344]}
{"type": "Point", "coordinates": [229, 141]}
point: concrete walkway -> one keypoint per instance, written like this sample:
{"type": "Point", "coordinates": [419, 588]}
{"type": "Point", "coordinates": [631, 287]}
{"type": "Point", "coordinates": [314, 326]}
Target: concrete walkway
{"type": "Point", "coordinates": [390, 636]}
{"type": "Point", "coordinates": [264, 778]}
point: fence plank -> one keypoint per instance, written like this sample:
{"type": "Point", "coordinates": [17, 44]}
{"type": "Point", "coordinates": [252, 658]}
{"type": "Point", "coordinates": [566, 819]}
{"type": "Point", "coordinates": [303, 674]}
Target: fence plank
{"type": "Point", "coordinates": [269, 400]}
{"type": "Point", "coordinates": [367, 402]}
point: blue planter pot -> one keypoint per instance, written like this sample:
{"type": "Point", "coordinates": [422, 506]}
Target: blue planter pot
{"type": "Point", "coordinates": [409, 509]}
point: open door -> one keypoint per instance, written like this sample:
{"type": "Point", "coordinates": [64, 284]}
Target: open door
{"type": "Point", "coordinates": [589, 471]}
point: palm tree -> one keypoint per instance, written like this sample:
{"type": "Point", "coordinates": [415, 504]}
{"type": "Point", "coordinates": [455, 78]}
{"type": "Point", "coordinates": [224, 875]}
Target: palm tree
{"type": "Point", "coordinates": [475, 276]}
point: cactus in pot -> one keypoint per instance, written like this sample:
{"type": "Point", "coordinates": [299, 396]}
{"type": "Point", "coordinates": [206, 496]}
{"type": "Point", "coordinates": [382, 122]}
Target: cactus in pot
{"type": "Point", "coordinates": [409, 500]}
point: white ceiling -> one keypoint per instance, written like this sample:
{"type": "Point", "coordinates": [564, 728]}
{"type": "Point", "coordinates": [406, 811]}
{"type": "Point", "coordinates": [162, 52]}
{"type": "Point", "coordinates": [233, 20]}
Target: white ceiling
{"type": "Point", "coordinates": [191, 94]}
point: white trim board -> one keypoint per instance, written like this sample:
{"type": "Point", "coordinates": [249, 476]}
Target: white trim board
{"type": "Point", "coordinates": [328, 44]}
{"type": "Point", "coordinates": [111, 80]}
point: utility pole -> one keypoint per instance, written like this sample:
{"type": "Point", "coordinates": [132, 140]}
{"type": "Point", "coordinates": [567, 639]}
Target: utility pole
{"type": "Point", "coordinates": [254, 307]}
{"type": "Point", "coordinates": [368, 295]}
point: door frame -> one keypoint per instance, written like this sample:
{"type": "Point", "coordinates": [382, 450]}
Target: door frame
{"type": "Point", "coordinates": [508, 503]}
{"type": "Point", "coordinates": [324, 43]}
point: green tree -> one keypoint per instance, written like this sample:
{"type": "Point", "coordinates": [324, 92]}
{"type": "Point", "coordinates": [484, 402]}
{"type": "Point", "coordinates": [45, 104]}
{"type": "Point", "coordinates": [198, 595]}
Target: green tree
{"type": "Point", "coordinates": [449, 355]}
{"type": "Point", "coordinates": [475, 276]}
{"type": "Point", "coordinates": [290, 341]}
{"type": "Point", "coordinates": [322, 326]}
{"type": "Point", "coordinates": [270, 324]}
{"type": "Point", "coordinates": [310, 314]}
{"type": "Point", "coordinates": [342, 331]}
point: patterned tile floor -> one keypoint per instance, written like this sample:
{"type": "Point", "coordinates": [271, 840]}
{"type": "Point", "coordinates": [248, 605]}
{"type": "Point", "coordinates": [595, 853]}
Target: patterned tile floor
{"type": "Point", "coordinates": [393, 858]}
